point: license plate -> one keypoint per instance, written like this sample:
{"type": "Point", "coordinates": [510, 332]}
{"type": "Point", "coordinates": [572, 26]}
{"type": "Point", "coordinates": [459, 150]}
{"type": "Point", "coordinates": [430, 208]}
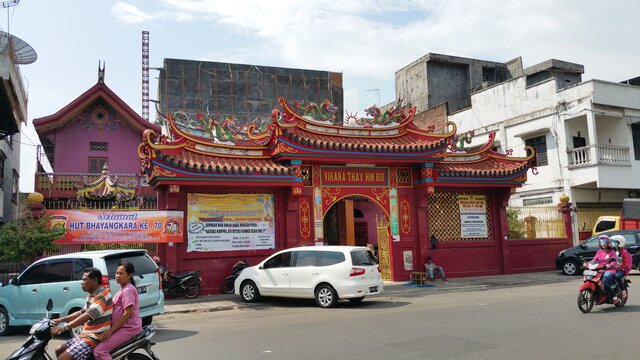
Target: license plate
{"type": "Point", "coordinates": [373, 289]}
{"type": "Point", "coordinates": [142, 290]}
{"type": "Point", "coordinates": [590, 272]}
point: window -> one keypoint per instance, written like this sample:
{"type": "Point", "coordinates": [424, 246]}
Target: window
{"type": "Point", "coordinates": [35, 275]}
{"type": "Point", "coordinates": [14, 186]}
{"type": "Point", "coordinates": [59, 271]}
{"type": "Point", "coordinates": [539, 145]}
{"type": "Point", "coordinates": [362, 257]}
{"type": "Point", "coordinates": [330, 258]}
{"type": "Point", "coordinates": [635, 132]}
{"type": "Point", "coordinates": [79, 266]}
{"type": "Point", "coordinates": [280, 260]}
{"type": "Point", "coordinates": [306, 258]}
{"type": "Point", "coordinates": [606, 224]}
{"type": "Point", "coordinates": [537, 201]}
{"type": "Point", "coordinates": [141, 263]}
{"type": "Point", "coordinates": [3, 157]}
{"type": "Point", "coordinates": [96, 164]}
{"type": "Point", "coordinates": [98, 146]}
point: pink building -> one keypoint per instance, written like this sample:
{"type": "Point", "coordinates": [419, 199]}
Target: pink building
{"type": "Point", "coordinates": [96, 129]}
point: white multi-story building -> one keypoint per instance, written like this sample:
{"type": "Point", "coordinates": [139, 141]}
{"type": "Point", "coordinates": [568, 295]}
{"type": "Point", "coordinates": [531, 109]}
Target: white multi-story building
{"type": "Point", "coordinates": [586, 134]}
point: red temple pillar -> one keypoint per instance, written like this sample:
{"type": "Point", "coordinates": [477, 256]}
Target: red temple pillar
{"type": "Point", "coordinates": [565, 207]}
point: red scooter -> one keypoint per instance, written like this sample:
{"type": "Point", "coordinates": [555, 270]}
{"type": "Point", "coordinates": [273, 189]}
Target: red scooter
{"type": "Point", "coordinates": [592, 289]}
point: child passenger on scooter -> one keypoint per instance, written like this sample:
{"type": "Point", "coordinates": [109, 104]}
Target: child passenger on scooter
{"type": "Point", "coordinates": [125, 320]}
{"type": "Point", "coordinates": [624, 262]}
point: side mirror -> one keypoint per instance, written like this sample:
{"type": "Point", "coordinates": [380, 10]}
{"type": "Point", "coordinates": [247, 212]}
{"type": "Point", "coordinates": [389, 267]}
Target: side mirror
{"type": "Point", "coordinates": [13, 282]}
{"type": "Point", "coordinates": [583, 246]}
{"type": "Point", "coordinates": [49, 305]}
{"type": "Point", "coordinates": [261, 267]}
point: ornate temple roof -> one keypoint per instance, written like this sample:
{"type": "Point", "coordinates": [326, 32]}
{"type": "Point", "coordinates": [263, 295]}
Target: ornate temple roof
{"type": "Point", "coordinates": [483, 165]}
{"type": "Point", "coordinates": [213, 147]}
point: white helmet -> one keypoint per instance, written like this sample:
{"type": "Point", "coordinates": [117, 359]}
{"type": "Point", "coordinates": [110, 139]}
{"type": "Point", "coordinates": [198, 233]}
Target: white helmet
{"type": "Point", "coordinates": [619, 239]}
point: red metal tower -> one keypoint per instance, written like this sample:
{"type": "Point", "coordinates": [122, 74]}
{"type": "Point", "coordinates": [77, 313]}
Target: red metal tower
{"type": "Point", "coordinates": [145, 75]}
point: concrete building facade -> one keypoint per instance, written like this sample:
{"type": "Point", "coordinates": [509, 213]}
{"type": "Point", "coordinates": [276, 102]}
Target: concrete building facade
{"type": "Point", "coordinates": [586, 134]}
{"type": "Point", "coordinates": [13, 113]}
{"type": "Point", "coordinates": [247, 93]}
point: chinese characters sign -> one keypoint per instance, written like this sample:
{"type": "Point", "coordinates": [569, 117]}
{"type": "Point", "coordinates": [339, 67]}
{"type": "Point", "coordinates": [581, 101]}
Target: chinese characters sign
{"type": "Point", "coordinates": [222, 222]}
{"type": "Point", "coordinates": [354, 176]}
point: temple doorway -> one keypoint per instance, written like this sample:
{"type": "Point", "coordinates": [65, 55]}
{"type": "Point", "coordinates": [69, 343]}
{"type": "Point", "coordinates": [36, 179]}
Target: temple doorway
{"type": "Point", "coordinates": [359, 221]}
{"type": "Point", "coordinates": [351, 221]}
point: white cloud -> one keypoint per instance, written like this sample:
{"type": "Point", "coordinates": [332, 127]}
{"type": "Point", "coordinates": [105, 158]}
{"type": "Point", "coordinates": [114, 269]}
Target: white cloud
{"type": "Point", "coordinates": [130, 14]}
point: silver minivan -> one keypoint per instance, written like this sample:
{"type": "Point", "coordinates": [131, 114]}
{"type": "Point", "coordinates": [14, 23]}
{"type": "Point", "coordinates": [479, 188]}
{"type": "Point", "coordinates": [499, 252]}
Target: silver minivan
{"type": "Point", "coordinates": [23, 299]}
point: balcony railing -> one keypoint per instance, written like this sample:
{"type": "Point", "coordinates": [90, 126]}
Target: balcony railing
{"type": "Point", "coordinates": [63, 185]}
{"type": "Point", "coordinates": [599, 155]}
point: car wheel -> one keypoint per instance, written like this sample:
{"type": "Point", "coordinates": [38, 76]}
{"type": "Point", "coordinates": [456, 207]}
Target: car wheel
{"type": "Point", "coordinates": [356, 300]}
{"type": "Point", "coordinates": [249, 291]}
{"type": "Point", "coordinates": [146, 321]}
{"type": "Point", "coordinates": [4, 322]}
{"type": "Point", "coordinates": [326, 296]}
{"type": "Point", "coordinates": [570, 267]}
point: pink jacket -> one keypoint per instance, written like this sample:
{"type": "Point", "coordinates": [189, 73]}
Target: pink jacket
{"type": "Point", "coordinates": [607, 256]}
{"type": "Point", "coordinates": [625, 262]}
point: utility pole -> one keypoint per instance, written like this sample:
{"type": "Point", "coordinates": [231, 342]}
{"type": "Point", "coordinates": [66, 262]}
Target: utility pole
{"type": "Point", "coordinates": [145, 75]}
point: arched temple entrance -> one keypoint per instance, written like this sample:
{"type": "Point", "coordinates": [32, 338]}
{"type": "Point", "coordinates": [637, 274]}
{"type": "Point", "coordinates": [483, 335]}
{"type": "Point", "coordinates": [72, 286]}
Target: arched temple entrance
{"type": "Point", "coordinates": [358, 220]}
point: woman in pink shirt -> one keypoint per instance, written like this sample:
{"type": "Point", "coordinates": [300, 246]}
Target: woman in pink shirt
{"type": "Point", "coordinates": [125, 320]}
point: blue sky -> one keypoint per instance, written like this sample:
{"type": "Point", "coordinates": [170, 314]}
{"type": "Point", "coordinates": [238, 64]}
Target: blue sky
{"type": "Point", "coordinates": [367, 40]}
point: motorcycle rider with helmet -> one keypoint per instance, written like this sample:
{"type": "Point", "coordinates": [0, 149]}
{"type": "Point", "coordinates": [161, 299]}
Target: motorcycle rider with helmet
{"type": "Point", "coordinates": [624, 261]}
{"type": "Point", "coordinates": [607, 256]}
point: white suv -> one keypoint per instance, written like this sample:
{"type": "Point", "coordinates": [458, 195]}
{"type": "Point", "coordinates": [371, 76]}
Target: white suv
{"type": "Point", "coordinates": [326, 273]}
{"type": "Point", "coordinates": [23, 300]}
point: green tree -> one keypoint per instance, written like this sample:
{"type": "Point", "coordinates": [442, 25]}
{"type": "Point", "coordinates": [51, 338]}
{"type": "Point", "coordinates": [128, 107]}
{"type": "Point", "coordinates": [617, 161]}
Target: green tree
{"type": "Point", "coordinates": [516, 227]}
{"type": "Point", "coordinates": [25, 239]}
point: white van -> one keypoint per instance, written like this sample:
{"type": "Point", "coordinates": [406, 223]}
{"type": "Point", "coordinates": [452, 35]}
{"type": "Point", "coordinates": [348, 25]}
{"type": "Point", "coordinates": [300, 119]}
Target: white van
{"type": "Point", "coordinates": [326, 273]}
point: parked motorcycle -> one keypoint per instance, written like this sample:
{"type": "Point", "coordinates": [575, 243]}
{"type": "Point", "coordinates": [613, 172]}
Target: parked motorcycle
{"type": "Point", "coordinates": [35, 348]}
{"type": "Point", "coordinates": [187, 284]}
{"type": "Point", "coordinates": [229, 281]}
{"type": "Point", "coordinates": [592, 291]}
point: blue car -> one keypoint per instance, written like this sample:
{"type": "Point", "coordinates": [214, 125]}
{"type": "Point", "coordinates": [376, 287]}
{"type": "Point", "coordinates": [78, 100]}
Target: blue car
{"type": "Point", "coordinates": [23, 300]}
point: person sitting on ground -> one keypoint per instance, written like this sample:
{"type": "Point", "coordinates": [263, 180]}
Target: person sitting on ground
{"type": "Point", "coordinates": [433, 270]}
{"type": "Point", "coordinates": [95, 318]}
{"type": "Point", "coordinates": [125, 322]}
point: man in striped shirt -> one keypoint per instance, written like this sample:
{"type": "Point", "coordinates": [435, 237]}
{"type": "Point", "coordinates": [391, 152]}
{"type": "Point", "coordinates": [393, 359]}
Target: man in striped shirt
{"type": "Point", "coordinates": [95, 318]}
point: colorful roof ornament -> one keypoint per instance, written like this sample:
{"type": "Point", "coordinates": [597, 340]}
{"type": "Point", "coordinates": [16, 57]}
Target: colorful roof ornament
{"type": "Point", "coordinates": [105, 188]}
{"type": "Point", "coordinates": [208, 148]}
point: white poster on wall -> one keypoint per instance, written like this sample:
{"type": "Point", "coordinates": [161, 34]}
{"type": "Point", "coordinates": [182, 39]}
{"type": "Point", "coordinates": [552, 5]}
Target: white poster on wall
{"type": "Point", "coordinates": [473, 216]}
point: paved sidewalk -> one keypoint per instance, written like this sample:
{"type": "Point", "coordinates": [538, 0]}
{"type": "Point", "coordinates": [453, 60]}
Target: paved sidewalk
{"type": "Point", "coordinates": [208, 303]}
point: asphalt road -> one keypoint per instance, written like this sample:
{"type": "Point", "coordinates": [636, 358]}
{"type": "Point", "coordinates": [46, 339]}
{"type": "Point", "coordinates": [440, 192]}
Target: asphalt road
{"type": "Point", "coordinates": [531, 322]}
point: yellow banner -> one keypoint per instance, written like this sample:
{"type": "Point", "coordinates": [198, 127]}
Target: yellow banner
{"type": "Point", "coordinates": [223, 222]}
